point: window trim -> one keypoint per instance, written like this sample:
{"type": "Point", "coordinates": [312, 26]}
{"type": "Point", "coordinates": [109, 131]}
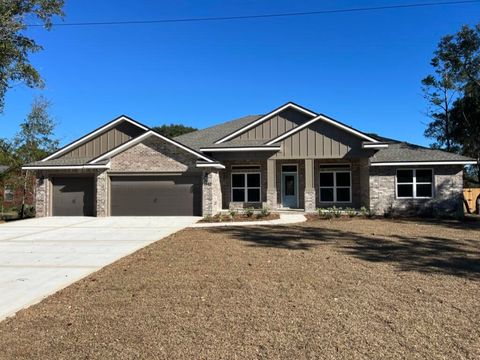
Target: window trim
{"type": "Point", "coordinates": [334, 187]}
{"type": "Point", "coordinates": [414, 183]}
{"type": "Point", "coordinates": [246, 187]}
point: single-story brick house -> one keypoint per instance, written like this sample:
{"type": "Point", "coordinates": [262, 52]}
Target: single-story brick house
{"type": "Point", "coordinates": [289, 158]}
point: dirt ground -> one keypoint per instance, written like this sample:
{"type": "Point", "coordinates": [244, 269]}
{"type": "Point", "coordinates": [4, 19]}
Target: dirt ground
{"type": "Point", "coordinates": [340, 289]}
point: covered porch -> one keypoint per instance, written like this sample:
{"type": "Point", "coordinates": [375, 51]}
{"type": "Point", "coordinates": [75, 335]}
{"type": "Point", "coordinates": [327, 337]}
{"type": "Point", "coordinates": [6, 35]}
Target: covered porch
{"type": "Point", "coordinates": [303, 184]}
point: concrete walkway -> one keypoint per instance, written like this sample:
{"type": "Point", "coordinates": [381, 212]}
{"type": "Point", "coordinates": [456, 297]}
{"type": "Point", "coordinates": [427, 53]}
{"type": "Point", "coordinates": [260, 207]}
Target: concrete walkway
{"type": "Point", "coordinates": [41, 256]}
{"type": "Point", "coordinates": [285, 219]}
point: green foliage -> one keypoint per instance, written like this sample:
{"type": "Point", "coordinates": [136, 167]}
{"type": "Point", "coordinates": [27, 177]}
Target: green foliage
{"type": "Point", "coordinates": [249, 211]}
{"type": "Point", "coordinates": [350, 212]}
{"type": "Point", "coordinates": [233, 213]}
{"type": "Point", "coordinates": [368, 213]}
{"type": "Point", "coordinates": [173, 130]}
{"type": "Point", "coordinates": [265, 211]}
{"type": "Point", "coordinates": [337, 212]}
{"type": "Point", "coordinates": [453, 92]}
{"type": "Point", "coordinates": [16, 47]}
{"type": "Point", "coordinates": [33, 142]}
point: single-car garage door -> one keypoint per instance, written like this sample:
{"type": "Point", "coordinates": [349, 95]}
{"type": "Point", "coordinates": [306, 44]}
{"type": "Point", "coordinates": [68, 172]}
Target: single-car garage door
{"type": "Point", "coordinates": [72, 196]}
{"type": "Point", "coordinates": [169, 195]}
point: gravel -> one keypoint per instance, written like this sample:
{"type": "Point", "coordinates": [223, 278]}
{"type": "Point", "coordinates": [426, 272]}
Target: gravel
{"type": "Point", "coordinates": [339, 289]}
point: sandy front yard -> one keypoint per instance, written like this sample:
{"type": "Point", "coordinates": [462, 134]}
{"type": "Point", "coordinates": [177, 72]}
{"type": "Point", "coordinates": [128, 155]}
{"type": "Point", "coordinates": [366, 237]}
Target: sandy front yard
{"type": "Point", "coordinates": [349, 289]}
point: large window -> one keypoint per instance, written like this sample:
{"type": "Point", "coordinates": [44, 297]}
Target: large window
{"type": "Point", "coordinates": [336, 186]}
{"type": "Point", "coordinates": [246, 187]}
{"type": "Point", "coordinates": [415, 183]}
{"type": "Point", "coordinates": [8, 193]}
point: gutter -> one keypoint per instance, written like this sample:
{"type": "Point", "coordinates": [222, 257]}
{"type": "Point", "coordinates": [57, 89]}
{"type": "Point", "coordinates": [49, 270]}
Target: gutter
{"type": "Point", "coordinates": [65, 167]}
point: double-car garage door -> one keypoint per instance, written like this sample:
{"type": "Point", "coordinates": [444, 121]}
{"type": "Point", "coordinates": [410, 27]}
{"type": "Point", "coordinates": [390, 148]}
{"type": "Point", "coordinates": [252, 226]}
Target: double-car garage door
{"type": "Point", "coordinates": [166, 195]}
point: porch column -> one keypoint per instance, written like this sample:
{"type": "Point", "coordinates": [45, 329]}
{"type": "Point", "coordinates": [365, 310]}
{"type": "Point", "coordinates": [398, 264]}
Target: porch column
{"type": "Point", "coordinates": [211, 193]}
{"type": "Point", "coordinates": [272, 183]}
{"type": "Point", "coordinates": [310, 203]}
{"type": "Point", "coordinates": [102, 194]}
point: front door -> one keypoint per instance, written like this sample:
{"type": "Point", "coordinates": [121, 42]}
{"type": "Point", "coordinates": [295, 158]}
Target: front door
{"type": "Point", "coordinates": [289, 190]}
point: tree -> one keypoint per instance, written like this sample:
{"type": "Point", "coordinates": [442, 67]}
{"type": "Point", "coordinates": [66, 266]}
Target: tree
{"type": "Point", "coordinates": [15, 46]}
{"type": "Point", "coordinates": [456, 123]}
{"type": "Point", "coordinates": [173, 130]}
{"type": "Point", "coordinates": [32, 143]}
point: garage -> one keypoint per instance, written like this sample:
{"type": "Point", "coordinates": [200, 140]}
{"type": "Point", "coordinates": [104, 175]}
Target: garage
{"type": "Point", "coordinates": [72, 196]}
{"type": "Point", "coordinates": [166, 195]}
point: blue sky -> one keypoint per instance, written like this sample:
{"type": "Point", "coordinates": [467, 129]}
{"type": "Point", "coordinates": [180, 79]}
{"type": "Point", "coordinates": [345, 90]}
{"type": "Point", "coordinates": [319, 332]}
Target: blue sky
{"type": "Point", "coordinates": [363, 69]}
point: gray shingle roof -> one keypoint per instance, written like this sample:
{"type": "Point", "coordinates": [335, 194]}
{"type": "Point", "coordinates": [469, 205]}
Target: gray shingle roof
{"type": "Point", "coordinates": [66, 162]}
{"type": "Point", "coordinates": [402, 151]}
{"type": "Point", "coordinates": [207, 137]}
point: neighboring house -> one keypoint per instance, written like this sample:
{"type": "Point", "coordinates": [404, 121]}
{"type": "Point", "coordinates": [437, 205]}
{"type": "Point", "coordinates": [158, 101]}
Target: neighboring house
{"type": "Point", "coordinates": [11, 191]}
{"type": "Point", "coordinates": [290, 158]}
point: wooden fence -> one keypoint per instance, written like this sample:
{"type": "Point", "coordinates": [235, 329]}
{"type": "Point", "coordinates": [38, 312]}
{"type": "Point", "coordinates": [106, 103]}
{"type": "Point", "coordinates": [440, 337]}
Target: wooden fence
{"type": "Point", "coordinates": [471, 195]}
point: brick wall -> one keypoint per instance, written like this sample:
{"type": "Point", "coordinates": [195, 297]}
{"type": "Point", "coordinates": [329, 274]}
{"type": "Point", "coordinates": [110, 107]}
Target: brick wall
{"type": "Point", "coordinates": [447, 200]}
{"type": "Point", "coordinates": [153, 155]}
{"type": "Point", "coordinates": [226, 180]}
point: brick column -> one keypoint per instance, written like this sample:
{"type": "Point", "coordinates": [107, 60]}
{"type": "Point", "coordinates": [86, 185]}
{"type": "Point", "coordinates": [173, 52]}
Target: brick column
{"type": "Point", "coordinates": [211, 193]}
{"type": "Point", "coordinates": [102, 194]}
{"type": "Point", "coordinates": [310, 196]}
{"type": "Point", "coordinates": [272, 184]}
{"type": "Point", "coordinates": [41, 195]}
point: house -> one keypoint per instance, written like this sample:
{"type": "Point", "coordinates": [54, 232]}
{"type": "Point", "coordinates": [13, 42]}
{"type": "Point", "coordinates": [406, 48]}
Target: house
{"type": "Point", "coordinates": [289, 158]}
{"type": "Point", "coordinates": [11, 189]}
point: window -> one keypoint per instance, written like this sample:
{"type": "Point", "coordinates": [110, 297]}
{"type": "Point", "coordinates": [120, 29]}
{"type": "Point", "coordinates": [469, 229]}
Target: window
{"type": "Point", "coordinates": [334, 166]}
{"type": "Point", "coordinates": [289, 168]}
{"type": "Point", "coordinates": [335, 186]}
{"type": "Point", "coordinates": [415, 183]}
{"type": "Point", "coordinates": [245, 167]}
{"type": "Point", "coordinates": [8, 193]}
{"type": "Point", "coordinates": [246, 187]}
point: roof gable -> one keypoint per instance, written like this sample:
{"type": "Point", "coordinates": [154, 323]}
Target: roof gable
{"type": "Point", "coordinates": [287, 106]}
{"type": "Point", "coordinates": [144, 136]}
{"type": "Point", "coordinates": [103, 139]}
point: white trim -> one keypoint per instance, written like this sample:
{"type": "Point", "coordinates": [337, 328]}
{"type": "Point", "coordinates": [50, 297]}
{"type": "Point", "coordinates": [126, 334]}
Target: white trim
{"type": "Point", "coordinates": [232, 149]}
{"type": "Point", "coordinates": [374, 146]}
{"type": "Point", "coordinates": [138, 139]}
{"type": "Point", "coordinates": [265, 117]}
{"type": "Point", "coordinates": [326, 119]}
{"type": "Point", "coordinates": [96, 132]}
{"type": "Point", "coordinates": [65, 167]}
{"type": "Point", "coordinates": [282, 183]}
{"type": "Point", "coordinates": [414, 184]}
{"type": "Point", "coordinates": [413, 163]}
{"type": "Point", "coordinates": [216, 166]}
{"type": "Point", "coordinates": [334, 187]}
{"type": "Point", "coordinates": [246, 187]}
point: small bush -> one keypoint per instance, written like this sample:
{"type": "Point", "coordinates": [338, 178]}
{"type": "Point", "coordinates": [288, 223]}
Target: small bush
{"type": "Point", "coordinates": [337, 212]}
{"type": "Point", "coordinates": [350, 212]}
{"type": "Point", "coordinates": [28, 211]}
{"type": "Point", "coordinates": [249, 211]}
{"type": "Point", "coordinates": [325, 213]}
{"type": "Point", "coordinates": [232, 212]}
{"type": "Point", "coordinates": [265, 211]}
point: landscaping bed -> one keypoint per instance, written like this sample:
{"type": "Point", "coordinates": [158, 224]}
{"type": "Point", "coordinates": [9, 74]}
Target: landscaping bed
{"type": "Point", "coordinates": [239, 218]}
{"type": "Point", "coordinates": [356, 289]}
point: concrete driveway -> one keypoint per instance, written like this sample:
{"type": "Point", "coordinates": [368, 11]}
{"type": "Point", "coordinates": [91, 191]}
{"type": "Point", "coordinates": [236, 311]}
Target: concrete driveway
{"type": "Point", "coordinates": [41, 256]}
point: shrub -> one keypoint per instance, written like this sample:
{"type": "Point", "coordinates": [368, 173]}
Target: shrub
{"type": "Point", "coordinates": [28, 211]}
{"type": "Point", "coordinates": [265, 211]}
{"type": "Point", "coordinates": [337, 212]}
{"type": "Point", "coordinates": [325, 213]}
{"type": "Point", "coordinates": [249, 211]}
{"type": "Point", "coordinates": [232, 212]}
{"type": "Point", "coordinates": [350, 212]}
